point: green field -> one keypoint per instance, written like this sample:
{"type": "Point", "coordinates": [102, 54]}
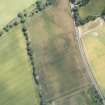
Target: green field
{"type": "Point", "coordinates": [93, 8]}
{"type": "Point", "coordinates": [17, 86]}
{"type": "Point", "coordinates": [10, 8]}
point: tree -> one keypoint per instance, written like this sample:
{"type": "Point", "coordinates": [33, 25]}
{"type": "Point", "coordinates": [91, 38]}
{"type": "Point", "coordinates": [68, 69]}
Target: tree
{"type": "Point", "coordinates": [6, 29]}
{"type": "Point", "coordinates": [83, 2]}
{"type": "Point", "coordinates": [22, 20]}
{"type": "Point", "coordinates": [24, 29]}
{"type": "Point", "coordinates": [15, 23]}
{"type": "Point", "coordinates": [20, 15]}
{"type": "Point", "coordinates": [1, 33]}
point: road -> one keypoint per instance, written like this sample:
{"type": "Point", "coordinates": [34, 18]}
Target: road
{"type": "Point", "coordinates": [83, 56]}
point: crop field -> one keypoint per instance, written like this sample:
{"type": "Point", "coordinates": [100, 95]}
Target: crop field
{"type": "Point", "coordinates": [56, 54]}
{"type": "Point", "coordinates": [94, 45]}
{"type": "Point", "coordinates": [17, 86]}
{"type": "Point", "coordinates": [93, 8]}
{"type": "Point", "coordinates": [10, 8]}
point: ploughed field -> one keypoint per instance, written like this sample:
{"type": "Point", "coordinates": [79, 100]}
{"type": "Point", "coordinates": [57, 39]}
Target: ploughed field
{"type": "Point", "coordinates": [57, 56]}
{"type": "Point", "coordinates": [17, 86]}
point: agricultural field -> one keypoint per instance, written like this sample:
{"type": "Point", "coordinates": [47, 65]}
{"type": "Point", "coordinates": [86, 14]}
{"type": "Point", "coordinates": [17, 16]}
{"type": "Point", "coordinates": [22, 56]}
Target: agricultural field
{"type": "Point", "coordinates": [84, 97]}
{"type": "Point", "coordinates": [17, 86]}
{"type": "Point", "coordinates": [93, 8]}
{"type": "Point", "coordinates": [10, 8]}
{"type": "Point", "coordinates": [47, 40]}
{"type": "Point", "coordinates": [94, 45]}
{"type": "Point", "coordinates": [56, 54]}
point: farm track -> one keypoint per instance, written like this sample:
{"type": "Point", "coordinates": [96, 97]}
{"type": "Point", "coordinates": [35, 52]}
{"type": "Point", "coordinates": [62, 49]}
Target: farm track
{"type": "Point", "coordinates": [70, 94]}
{"type": "Point", "coordinates": [88, 68]}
